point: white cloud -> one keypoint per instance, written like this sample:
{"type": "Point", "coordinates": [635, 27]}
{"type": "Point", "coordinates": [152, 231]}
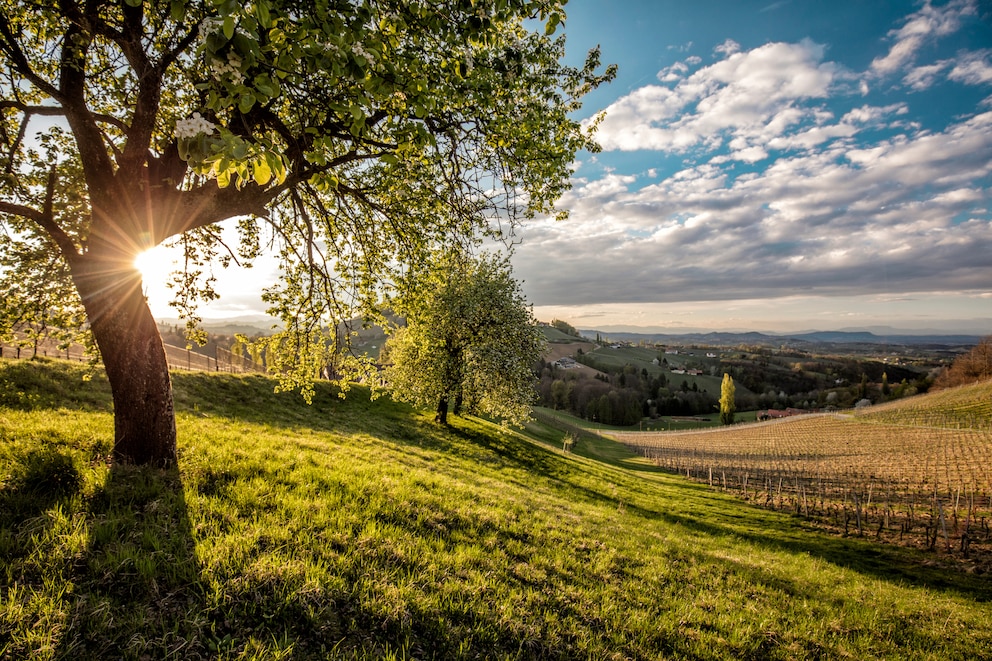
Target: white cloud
{"type": "Point", "coordinates": [673, 73]}
{"type": "Point", "coordinates": [973, 68]}
{"type": "Point", "coordinates": [786, 184]}
{"type": "Point", "coordinates": [728, 47]}
{"type": "Point", "coordinates": [922, 77]}
{"type": "Point", "coordinates": [903, 213]}
{"type": "Point", "coordinates": [750, 94]}
{"type": "Point", "coordinates": [871, 114]}
{"type": "Point", "coordinates": [927, 24]}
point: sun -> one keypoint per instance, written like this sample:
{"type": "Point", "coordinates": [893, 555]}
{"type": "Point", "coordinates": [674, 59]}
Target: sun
{"type": "Point", "coordinates": [156, 264]}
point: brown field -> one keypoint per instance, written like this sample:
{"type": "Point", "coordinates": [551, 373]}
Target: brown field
{"type": "Point", "coordinates": [916, 471]}
{"type": "Point", "coordinates": [558, 350]}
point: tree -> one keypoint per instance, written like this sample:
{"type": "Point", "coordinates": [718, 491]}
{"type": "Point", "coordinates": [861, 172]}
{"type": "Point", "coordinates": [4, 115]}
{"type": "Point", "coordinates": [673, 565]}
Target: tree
{"type": "Point", "coordinates": [727, 401]}
{"type": "Point", "coordinates": [470, 340]}
{"type": "Point", "coordinates": [565, 327]}
{"type": "Point", "coordinates": [974, 366]}
{"type": "Point", "coordinates": [362, 134]}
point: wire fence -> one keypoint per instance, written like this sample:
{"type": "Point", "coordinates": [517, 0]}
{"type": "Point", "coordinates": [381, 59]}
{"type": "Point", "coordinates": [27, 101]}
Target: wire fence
{"type": "Point", "coordinates": [179, 358]}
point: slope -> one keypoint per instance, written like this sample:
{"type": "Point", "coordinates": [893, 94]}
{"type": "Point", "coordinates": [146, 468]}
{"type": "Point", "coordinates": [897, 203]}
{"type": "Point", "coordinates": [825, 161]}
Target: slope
{"type": "Point", "coordinates": [357, 529]}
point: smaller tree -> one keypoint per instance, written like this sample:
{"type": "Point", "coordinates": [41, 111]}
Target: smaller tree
{"type": "Point", "coordinates": [565, 327]}
{"type": "Point", "coordinates": [470, 339]}
{"type": "Point", "coordinates": [727, 400]}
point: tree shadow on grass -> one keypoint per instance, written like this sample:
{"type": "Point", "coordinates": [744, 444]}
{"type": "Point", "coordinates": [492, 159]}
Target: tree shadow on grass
{"type": "Point", "coordinates": [708, 512]}
{"type": "Point", "coordinates": [137, 591]}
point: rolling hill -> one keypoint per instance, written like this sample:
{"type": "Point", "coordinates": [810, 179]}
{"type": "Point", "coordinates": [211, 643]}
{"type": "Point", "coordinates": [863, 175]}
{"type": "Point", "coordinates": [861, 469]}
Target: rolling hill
{"type": "Point", "coordinates": [357, 529]}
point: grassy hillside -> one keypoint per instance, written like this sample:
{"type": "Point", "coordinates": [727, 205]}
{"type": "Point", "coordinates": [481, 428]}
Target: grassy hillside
{"type": "Point", "coordinates": [609, 359]}
{"type": "Point", "coordinates": [553, 335]}
{"type": "Point", "coordinates": [358, 529]}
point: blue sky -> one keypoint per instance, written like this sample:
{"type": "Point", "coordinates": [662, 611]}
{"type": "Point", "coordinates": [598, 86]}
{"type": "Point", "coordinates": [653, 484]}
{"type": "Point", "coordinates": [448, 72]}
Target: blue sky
{"type": "Point", "coordinates": [772, 165]}
{"type": "Point", "coordinates": [778, 166]}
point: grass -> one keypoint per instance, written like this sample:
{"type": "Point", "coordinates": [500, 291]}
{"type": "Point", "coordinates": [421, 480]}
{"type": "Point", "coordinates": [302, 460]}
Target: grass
{"type": "Point", "coordinates": [358, 529]}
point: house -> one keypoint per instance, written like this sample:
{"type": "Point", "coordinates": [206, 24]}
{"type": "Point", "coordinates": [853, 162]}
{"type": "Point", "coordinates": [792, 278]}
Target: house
{"type": "Point", "coordinates": [772, 414]}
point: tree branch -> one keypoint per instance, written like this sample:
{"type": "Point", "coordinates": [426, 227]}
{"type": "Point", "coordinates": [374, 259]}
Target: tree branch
{"type": "Point", "coordinates": [45, 218]}
{"type": "Point", "coordinates": [59, 111]}
{"type": "Point", "coordinates": [9, 46]}
{"type": "Point", "coordinates": [146, 105]}
{"type": "Point", "coordinates": [97, 165]}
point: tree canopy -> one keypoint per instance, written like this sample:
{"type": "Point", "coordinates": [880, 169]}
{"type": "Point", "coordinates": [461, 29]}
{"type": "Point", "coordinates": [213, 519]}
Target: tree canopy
{"type": "Point", "coordinates": [470, 340]}
{"type": "Point", "coordinates": [728, 403]}
{"type": "Point", "coordinates": [974, 366]}
{"type": "Point", "coordinates": [350, 137]}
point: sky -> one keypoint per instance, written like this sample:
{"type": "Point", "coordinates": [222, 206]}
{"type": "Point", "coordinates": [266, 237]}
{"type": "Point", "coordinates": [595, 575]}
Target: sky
{"type": "Point", "coordinates": [773, 165]}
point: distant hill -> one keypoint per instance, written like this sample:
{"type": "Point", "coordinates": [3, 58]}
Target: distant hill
{"type": "Point", "coordinates": [250, 325]}
{"type": "Point", "coordinates": [798, 339]}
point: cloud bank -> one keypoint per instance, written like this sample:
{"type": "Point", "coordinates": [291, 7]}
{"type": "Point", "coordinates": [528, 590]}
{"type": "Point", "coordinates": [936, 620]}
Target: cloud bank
{"type": "Point", "coordinates": [794, 180]}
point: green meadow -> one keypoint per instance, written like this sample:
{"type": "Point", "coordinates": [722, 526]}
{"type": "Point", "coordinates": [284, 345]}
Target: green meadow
{"type": "Point", "coordinates": [358, 529]}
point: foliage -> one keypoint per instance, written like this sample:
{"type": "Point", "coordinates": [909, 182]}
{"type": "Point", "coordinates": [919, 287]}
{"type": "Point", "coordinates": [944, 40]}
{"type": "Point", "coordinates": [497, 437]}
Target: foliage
{"type": "Point", "coordinates": [356, 529]}
{"type": "Point", "coordinates": [469, 339]}
{"type": "Point", "coordinates": [565, 327]}
{"type": "Point", "coordinates": [39, 302]}
{"type": "Point", "coordinates": [727, 402]}
{"type": "Point", "coordinates": [622, 394]}
{"type": "Point", "coordinates": [350, 138]}
{"type": "Point", "coordinates": [976, 365]}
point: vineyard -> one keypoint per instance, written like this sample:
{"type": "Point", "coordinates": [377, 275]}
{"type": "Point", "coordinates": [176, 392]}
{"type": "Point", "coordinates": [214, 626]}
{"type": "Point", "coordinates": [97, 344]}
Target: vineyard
{"type": "Point", "coordinates": [965, 407]}
{"type": "Point", "coordinates": [917, 471]}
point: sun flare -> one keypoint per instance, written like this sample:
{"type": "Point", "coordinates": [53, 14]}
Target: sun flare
{"type": "Point", "coordinates": [156, 264]}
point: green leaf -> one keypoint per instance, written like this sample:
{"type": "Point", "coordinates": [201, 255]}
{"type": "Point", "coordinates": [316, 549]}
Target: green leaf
{"type": "Point", "coordinates": [228, 26]}
{"type": "Point", "coordinates": [177, 8]}
{"type": "Point", "coordinates": [266, 86]}
{"type": "Point", "coordinates": [246, 102]}
{"type": "Point", "coordinates": [262, 14]}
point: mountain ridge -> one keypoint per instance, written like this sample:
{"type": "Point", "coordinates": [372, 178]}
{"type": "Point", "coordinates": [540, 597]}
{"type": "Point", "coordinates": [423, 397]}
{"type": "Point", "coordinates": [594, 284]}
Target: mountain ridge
{"type": "Point", "coordinates": [809, 337]}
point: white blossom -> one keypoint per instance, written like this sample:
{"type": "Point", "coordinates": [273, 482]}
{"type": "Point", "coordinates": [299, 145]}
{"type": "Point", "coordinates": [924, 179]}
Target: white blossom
{"type": "Point", "coordinates": [232, 67]}
{"type": "Point", "coordinates": [192, 127]}
{"type": "Point", "coordinates": [359, 50]}
{"type": "Point", "coordinates": [209, 26]}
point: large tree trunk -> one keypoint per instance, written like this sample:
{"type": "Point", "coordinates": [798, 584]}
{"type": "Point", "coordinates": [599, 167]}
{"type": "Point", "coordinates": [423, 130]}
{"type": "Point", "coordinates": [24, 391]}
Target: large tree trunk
{"type": "Point", "coordinates": [134, 357]}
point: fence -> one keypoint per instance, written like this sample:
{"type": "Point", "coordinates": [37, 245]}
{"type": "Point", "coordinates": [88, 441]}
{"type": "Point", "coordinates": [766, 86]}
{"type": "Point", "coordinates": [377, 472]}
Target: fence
{"type": "Point", "coordinates": [179, 358]}
{"type": "Point", "coordinates": [222, 361]}
{"type": "Point", "coordinates": [46, 349]}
